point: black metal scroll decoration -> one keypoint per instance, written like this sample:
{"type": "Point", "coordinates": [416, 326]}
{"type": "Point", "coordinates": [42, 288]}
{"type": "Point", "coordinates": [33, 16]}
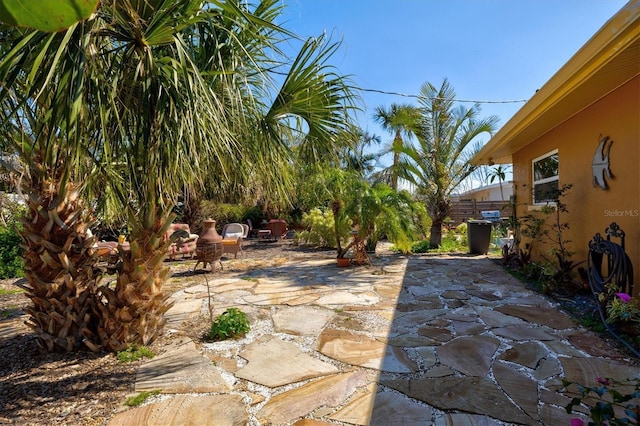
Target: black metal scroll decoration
{"type": "Point", "coordinates": [604, 253]}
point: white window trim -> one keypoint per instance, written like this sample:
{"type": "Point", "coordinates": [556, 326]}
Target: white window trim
{"type": "Point", "coordinates": [537, 205]}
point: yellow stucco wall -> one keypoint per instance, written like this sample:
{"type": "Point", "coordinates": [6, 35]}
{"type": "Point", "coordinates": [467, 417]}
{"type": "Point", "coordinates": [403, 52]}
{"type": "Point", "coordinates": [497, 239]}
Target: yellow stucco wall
{"type": "Point", "coordinates": [591, 209]}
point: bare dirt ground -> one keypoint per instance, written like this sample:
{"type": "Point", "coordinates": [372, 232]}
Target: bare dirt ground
{"type": "Point", "coordinates": [39, 388]}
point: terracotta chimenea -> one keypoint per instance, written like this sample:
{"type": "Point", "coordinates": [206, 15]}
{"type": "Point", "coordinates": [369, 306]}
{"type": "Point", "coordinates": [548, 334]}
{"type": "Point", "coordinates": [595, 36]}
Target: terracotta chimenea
{"type": "Point", "coordinates": [209, 245]}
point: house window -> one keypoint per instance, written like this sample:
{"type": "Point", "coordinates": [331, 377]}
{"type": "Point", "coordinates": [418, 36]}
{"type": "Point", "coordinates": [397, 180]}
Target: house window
{"type": "Point", "coordinates": [545, 178]}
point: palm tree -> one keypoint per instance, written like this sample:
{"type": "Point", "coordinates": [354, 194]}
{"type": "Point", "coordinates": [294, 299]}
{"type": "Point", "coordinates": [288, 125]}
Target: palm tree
{"type": "Point", "coordinates": [42, 126]}
{"type": "Point", "coordinates": [290, 110]}
{"type": "Point", "coordinates": [399, 119]}
{"type": "Point", "coordinates": [353, 157]}
{"type": "Point", "coordinates": [126, 95]}
{"type": "Point", "coordinates": [440, 160]}
{"type": "Point", "coordinates": [499, 173]}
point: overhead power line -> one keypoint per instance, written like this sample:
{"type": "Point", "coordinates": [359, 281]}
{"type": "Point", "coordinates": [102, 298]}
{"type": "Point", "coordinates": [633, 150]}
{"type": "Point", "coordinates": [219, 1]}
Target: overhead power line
{"type": "Point", "coordinates": [406, 95]}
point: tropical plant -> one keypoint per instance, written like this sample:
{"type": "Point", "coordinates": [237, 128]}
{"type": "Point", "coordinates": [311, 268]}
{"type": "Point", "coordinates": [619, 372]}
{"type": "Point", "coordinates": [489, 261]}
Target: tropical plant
{"type": "Point", "coordinates": [289, 111]}
{"type": "Point", "coordinates": [320, 229]}
{"type": "Point", "coordinates": [353, 155]}
{"type": "Point", "coordinates": [127, 98]}
{"type": "Point", "coordinates": [609, 402]}
{"type": "Point", "coordinates": [362, 211]}
{"type": "Point", "coordinates": [546, 225]}
{"type": "Point", "coordinates": [53, 15]}
{"type": "Point", "coordinates": [440, 160]}
{"type": "Point", "coordinates": [623, 308]}
{"type": "Point", "coordinates": [44, 127]}
{"type": "Point", "coordinates": [498, 173]}
{"type": "Point", "coordinates": [402, 121]}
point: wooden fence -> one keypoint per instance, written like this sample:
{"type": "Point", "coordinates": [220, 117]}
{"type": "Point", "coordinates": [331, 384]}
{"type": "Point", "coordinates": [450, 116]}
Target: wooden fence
{"type": "Point", "coordinates": [463, 210]}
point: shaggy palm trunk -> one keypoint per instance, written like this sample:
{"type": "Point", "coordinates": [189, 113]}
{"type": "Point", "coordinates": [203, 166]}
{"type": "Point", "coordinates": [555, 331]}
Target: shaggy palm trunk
{"type": "Point", "coordinates": [59, 267]}
{"type": "Point", "coordinates": [439, 210]}
{"type": "Point", "coordinates": [133, 312]}
{"type": "Point", "coordinates": [435, 240]}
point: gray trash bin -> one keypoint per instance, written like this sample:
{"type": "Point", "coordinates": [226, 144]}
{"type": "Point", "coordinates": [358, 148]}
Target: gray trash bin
{"type": "Point", "coordinates": [479, 233]}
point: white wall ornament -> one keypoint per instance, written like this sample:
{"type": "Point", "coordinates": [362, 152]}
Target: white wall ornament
{"type": "Point", "coordinates": [600, 166]}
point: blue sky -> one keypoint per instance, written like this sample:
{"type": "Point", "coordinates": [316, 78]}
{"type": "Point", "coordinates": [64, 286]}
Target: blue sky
{"type": "Point", "coordinates": [495, 50]}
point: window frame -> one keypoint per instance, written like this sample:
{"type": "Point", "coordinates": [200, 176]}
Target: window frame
{"type": "Point", "coordinates": [534, 182]}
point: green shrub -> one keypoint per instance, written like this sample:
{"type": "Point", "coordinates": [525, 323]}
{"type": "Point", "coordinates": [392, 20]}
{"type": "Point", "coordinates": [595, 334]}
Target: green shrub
{"type": "Point", "coordinates": [610, 402]}
{"type": "Point", "coordinates": [222, 213]}
{"type": "Point", "coordinates": [451, 243]}
{"type": "Point", "coordinates": [320, 229]}
{"type": "Point", "coordinates": [462, 228]}
{"type": "Point", "coordinates": [420, 246]}
{"type": "Point", "coordinates": [132, 354]}
{"type": "Point", "coordinates": [231, 324]}
{"type": "Point", "coordinates": [11, 262]}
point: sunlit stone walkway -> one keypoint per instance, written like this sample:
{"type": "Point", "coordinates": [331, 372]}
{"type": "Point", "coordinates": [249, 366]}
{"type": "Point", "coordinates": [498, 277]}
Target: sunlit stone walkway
{"type": "Point", "coordinates": [408, 341]}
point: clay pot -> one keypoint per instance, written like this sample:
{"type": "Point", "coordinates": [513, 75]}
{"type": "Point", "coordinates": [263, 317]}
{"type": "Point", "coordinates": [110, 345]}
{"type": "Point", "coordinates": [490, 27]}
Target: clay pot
{"type": "Point", "coordinates": [209, 244]}
{"type": "Point", "coordinates": [343, 261]}
{"type": "Point", "coordinates": [209, 234]}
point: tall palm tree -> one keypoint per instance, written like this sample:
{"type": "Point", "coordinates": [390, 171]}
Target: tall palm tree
{"type": "Point", "coordinates": [126, 77]}
{"type": "Point", "coordinates": [354, 157]}
{"type": "Point", "coordinates": [41, 124]}
{"type": "Point", "coordinates": [400, 120]}
{"type": "Point", "coordinates": [290, 110]}
{"type": "Point", "coordinates": [498, 172]}
{"type": "Point", "coordinates": [440, 160]}
{"type": "Point", "coordinates": [170, 125]}
{"type": "Point", "coordinates": [134, 103]}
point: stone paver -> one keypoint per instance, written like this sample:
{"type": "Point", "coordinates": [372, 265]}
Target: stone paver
{"type": "Point", "coordinates": [181, 369]}
{"type": "Point", "coordinates": [421, 340]}
{"type": "Point", "coordinates": [330, 391]}
{"type": "Point", "coordinates": [273, 363]}
{"type": "Point", "coordinates": [428, 340]}
{"type": "Point", "coordinates": [303, 320]}
{"type": "Point", "coordinates": [187, 410]}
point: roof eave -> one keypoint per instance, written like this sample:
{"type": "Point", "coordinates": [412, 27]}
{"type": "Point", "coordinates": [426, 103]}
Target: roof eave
{"type": "Point", "coordinates": [574, 87]}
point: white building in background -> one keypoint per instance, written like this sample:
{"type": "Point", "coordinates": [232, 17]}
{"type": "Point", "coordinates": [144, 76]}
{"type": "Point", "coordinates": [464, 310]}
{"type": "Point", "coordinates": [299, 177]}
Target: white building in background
{"type": "Point", "coordinates": [487, 193]}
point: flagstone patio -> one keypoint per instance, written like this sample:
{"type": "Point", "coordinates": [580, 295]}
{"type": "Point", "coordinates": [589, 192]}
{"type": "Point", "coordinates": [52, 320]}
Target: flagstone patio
{"type": "Point", "coordinates": [420, 340]}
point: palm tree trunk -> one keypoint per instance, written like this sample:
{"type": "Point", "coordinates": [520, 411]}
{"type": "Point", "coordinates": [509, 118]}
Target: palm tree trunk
{"type": "Point", "coordinates": [397, 146]}
{"type": "Point", "coordinates": [435, 239]}
{"type": "Point", "coordinates": [133, 312]}
{"type": "Point", "coordinates": [59, 268]}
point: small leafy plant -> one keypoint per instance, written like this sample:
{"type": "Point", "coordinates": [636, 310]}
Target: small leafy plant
{"type": "Point", "coordinates": [137, 400]}
{"type": "Point", "coordinates": [132, 354]}
{"type": "Point", "coordinates": [623, 308]}
{"type": "Point", "coordinates": [612, 399]}
{"type": "Point", "coordinates": [231, 324]}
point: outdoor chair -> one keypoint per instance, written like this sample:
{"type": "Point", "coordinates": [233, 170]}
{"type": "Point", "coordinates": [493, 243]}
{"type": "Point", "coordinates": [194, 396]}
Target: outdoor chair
{"type": "Point", "coordinates": [278, 228]}
{"type": "Point", "coordinates": [182, 240]}
{"type": "Point", "coordinates": [233, 234]}
{"type": "Point", "coordinates": [610, 271]}
{"type": "Point", "coordinates": [253, 232]}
